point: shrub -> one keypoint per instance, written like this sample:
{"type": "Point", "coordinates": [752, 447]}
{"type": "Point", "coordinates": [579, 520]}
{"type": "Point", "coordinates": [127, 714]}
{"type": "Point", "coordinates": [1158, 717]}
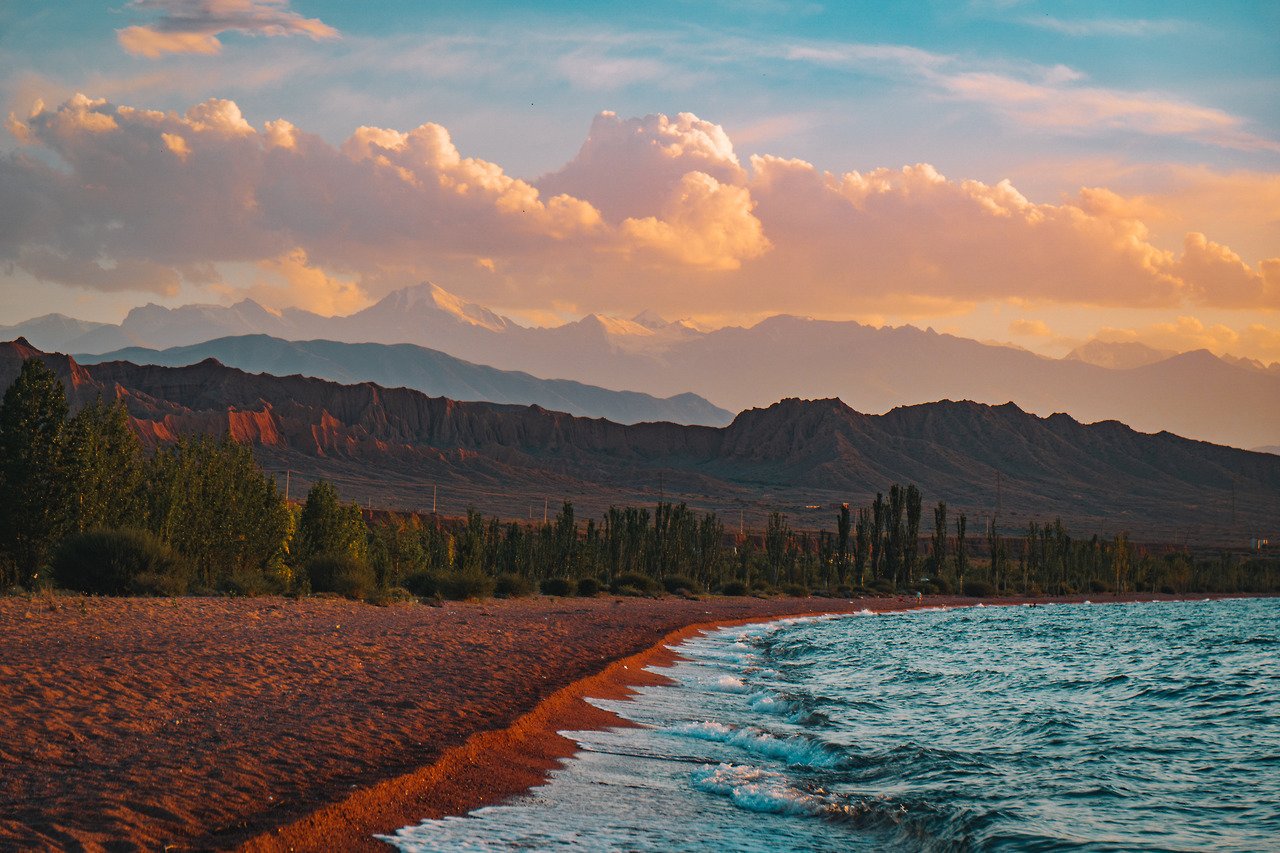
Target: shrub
{"type": "Point", "coordinates": [391, 595]}
{"type": "Point", "coordinates": [936, 586]}
{"type": "Point", "coordinates": [422, 584]}
{"type": "Point", "coordinates": [883, 586]}
{"type": "Point", "coordinates": [1096, 585]}
{"type": "Point", "coordinates": [588, 587]}
{"type": "Point", "coordinates": [341, 574]}
{"type": "Point", "coordinates": [795, 590]}
{"type": "Point", "coordinates": [245, 583]}
{"type": "Point", "coordinates": [734, 588]}
{"type": "Point", "coordinates": [642, 584]}
{"type": "Point", "coordinates": [464, 585]}
{"type": "Point", "coordinates": [675, 583]}
{"type": "Point", "coordinates": [979, 589]}
{"type": "Point", "coordinates": [627, 590]}
{"type": "Point", "coordinates": [511, 585]}
{"type": "Point", "coordinates": [119, 562]}
{"type": "Point", "coordinates": [558, 586]}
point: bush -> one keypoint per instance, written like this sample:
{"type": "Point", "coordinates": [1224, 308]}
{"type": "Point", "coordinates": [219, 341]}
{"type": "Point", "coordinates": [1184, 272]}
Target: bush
{"type": "Point", "coordinates": [512, 586]}
{"type": "Point", "coordinates": [246, 583]}
{"type": "Point", "coordinates": [882, 586]}
{"type": "Point", "coordinates": [734, 588]}
{"type": "Point", "coordinates": [588, 587]}
{"type": "Point", "coordinates": [675, 583]}
{"type": "Point", "coordinates": [1096, 585]}
{"type": "Point", "coordinates": [119, 562]}
{"type": "Point", "coordinates": [979, 589]}
{"type": "Point", "coordinates": [391, 595]}
{"type": "Point", "coordinates": [627, 590]}
{"type": "Point", "coordinates": [795, 590]}
{"type": "Point", "coordinates": [642, 584]}
{"type": "Point", "coordinates": [422, 584]}
{"type": "Point", "coordinates": [936, 586]}
{"type": "Point", "coordinates": [558, 586]}
{"type": "Point", "coordinates": [341, 574]}
{"type": "Point", "coordinates": [460, 587]}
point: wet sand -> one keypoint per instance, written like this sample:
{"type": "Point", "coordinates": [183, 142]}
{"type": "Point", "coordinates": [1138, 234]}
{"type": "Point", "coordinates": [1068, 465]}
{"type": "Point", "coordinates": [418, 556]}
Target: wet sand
{"type": "Point", "coordinates": [276, 724]}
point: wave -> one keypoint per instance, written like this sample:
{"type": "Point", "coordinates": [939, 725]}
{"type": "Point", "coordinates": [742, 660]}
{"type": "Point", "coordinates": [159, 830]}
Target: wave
{"type": "Point", "coordinates": [796, 751]}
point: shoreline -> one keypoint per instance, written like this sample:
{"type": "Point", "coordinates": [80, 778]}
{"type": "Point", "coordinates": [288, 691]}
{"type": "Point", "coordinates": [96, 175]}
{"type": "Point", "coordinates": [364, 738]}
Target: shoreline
{"type": "Point", "coordinates": [495, 766]}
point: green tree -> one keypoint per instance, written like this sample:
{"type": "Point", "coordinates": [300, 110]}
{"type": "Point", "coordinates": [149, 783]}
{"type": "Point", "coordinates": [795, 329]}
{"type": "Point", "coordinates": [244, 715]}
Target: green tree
{"type": "Point", "coordinates": [939, 539]}
{"type": "Point", "coordinates": [33, 513]}
{"type": "Point", "coordinates": [843, 523]}
{"type": "Point", "coordinates": [777, 537]}
{"type": "Point", "coordinates": [862, 533]}
{"type": "Point", "coordinates": [104, 468]}
{"type": "Point", "coordinates": [329, 527]}
{"type": "Point", "coordinates": [1120, 561]}
{"type": "Point", "coordinates": [210, 501]}
{"type": "Point", "coordinates": [962, 555]}
{"type": "Point", "coordinates": [911, 545]}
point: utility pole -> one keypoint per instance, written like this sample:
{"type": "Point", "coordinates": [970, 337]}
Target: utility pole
{"type": "Point", "coordinates": [288, 475]}
{"type": "Point", "coordinates": [434, 491]}
{"type": "Point", "coordinates": [545, 502]}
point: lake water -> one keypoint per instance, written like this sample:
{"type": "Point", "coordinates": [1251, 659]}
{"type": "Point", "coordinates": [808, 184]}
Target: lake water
{"type": "Point", "coordinates": [1083, 727]}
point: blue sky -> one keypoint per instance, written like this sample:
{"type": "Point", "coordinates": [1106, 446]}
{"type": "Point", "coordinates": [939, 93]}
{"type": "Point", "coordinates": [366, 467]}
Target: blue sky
{"type": "Point", "coordinates": [1171, 106]}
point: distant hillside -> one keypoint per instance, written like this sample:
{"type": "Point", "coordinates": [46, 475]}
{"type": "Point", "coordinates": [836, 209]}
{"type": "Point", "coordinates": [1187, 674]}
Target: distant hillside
{"type": "Point", "coordinates": [431, 372]}
{"type": "Point", "coordinates": [393, 446]}
{"type": "Point", "coordinates": [1229, 401]}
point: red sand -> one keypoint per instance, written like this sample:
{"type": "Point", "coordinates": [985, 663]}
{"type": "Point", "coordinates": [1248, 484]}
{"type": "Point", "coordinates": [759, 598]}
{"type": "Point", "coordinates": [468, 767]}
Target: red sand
{"type": "Point", "coordinates": [276, 724]}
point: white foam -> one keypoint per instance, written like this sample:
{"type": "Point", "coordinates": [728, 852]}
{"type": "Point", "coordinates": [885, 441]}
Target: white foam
{"type": "Point", "coordinates": [767, 702]}
{"type": "Point", "coordinates": [795, 751]}
{"type": "Point", "coordinates": [731, 684]}
{"type": "Point", "coordinates": [756, 790]}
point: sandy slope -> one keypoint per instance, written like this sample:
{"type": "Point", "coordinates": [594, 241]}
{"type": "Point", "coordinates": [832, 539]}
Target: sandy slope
{"type": "Point", "coordinates": [215, 723]}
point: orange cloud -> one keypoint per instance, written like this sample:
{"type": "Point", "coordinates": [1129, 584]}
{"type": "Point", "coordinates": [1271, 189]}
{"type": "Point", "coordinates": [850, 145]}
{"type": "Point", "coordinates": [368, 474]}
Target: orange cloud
{"type": "Point", "coordinates": [291, 280]}
{"type": "Point", "coordinates": [1190, 333]}
{"type": "Point", "coordinates": [652, 212]}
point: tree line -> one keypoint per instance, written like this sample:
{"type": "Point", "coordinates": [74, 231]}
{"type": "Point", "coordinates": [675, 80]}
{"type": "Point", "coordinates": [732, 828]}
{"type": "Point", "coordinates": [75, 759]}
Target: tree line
{"type": "Point", "coordinates": [86, 508]}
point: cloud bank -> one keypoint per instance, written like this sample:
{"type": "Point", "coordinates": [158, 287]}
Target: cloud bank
{"type": "Point", "coordinates": [652, 212]}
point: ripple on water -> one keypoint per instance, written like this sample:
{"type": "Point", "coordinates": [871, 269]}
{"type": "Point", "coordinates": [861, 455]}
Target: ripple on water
{"type": "Point", "coordinates": [1048, 728]}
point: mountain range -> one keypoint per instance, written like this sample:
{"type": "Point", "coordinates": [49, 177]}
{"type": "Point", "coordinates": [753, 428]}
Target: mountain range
{"type": "Point", "coordinates": [395, 447]}
{"type": "Point", "coordinates": [431, 372]}
{"type": "Point", "coordinates": [1194, 394]}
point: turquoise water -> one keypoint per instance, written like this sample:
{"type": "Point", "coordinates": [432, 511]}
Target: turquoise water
{"type": "Point", "coordinates": [1082, 727]}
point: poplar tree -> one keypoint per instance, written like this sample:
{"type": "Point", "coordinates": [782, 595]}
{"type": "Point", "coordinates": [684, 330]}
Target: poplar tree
{"type": "Point", "coordinates": [912, 541]}
{"type": "Point", "coordinates": [104, 468]}
{"type": "Point", "coordinates": [842, 543]}
{"type": "Point", "coordinates": [862, 545]}
{"type": "Point", "coordinates": [33, 513]}
{"type": "Point", "coordinates": [329, 527]}
{"type": "Point", "coordinates": [939, 538]}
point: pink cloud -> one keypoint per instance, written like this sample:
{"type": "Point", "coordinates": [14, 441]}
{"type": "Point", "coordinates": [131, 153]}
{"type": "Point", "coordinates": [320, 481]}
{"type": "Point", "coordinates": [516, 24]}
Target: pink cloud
{"type": "Point", "coordinates": [193, 26]}
{"type": "Point", "coordinates": [652, 212]}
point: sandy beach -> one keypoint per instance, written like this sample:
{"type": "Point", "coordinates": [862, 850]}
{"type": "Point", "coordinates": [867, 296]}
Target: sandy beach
{"type": "Point", "coordinates": [277, 724]}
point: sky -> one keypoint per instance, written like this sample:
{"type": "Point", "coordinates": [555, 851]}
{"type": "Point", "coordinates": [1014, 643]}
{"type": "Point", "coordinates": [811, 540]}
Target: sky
{"type": "Point", "coordinates": [1037, 173]}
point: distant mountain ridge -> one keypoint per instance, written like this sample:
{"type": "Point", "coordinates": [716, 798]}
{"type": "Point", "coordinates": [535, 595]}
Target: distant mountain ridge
{"type": "Point", "coordinates": [1198, 395]}
{"type": "Point", "coordinates": [395, 446]}
{"type": "Point", "coordinates": [433, 373]}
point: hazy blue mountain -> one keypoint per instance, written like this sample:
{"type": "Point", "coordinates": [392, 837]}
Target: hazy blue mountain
{"type": "Point", "coordinates": [1197, 395]}
{"type": "Point", "coordinates": [429, 371]}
